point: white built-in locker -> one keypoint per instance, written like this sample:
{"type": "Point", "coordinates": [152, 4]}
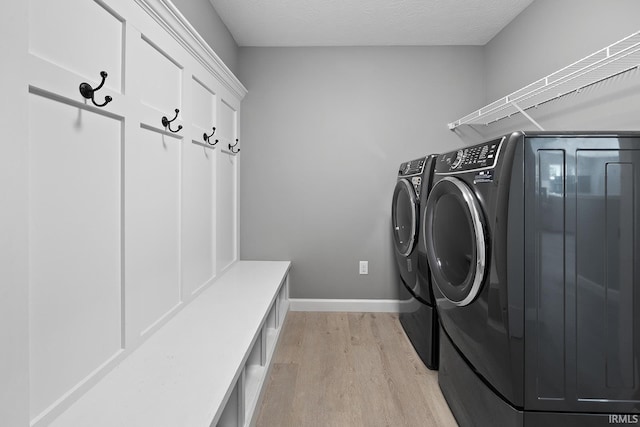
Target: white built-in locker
{"type": "Point", "coordinates": [127, 219]}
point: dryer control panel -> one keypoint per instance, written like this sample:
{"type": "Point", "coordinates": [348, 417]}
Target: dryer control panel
{"type": "Point", "coordinates": [477, 157]}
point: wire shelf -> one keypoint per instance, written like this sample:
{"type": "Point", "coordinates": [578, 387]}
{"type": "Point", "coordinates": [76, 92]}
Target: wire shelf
{"type": "Point", "coordinates": [611, 61]}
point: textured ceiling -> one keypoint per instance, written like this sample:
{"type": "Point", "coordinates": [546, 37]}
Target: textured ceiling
{"type": "Point", "coordinates": [366, 22]}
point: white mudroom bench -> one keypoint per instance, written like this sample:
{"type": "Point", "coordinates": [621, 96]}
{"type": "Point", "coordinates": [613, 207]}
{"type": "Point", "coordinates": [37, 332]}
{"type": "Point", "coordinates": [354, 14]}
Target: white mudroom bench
{"type": "Point", "coordinates": [205, 367]}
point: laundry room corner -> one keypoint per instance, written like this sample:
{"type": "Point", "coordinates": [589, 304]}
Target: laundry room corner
{"type": "Point", "coordinates": [545, 39]}
{"type": "Point", "coordinates": [324, 130]}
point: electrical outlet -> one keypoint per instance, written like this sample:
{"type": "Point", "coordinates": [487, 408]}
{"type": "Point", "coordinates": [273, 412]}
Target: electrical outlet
{"type": "Point", "coordinates": [364, 267]}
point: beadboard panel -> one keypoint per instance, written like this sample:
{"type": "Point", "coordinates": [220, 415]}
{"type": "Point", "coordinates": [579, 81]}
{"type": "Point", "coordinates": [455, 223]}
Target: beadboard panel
{"type": "Point", "coordinates": [227, 186]}
{"type": "Point", "coordinates": [75, 246]}
{"type": "Point", "coordinates": [152, 240]}
{"type": "Point", "coordinates": [228, 118]}
{"type": "Point", "coordinates": [227, 174]}
{"type": "Point", "coordinates": [101, 40]}
{"type": "Point", "coordinates": [198, 217]}
{"type": "Point", "coordinates": [203, 106]}
{"type": "Point", "coordinates": [158, 75]}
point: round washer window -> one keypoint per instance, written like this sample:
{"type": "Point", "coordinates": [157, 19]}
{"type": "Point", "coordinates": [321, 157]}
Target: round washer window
{"type": "Point", "coordinates": [455, 240]}
{"type": "Point", "coordinates": [404, 217]}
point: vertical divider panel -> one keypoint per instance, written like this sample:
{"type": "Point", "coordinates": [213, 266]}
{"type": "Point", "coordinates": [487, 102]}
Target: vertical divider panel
{"type": "Point", "coordinates": [271, 325]}
{"type": "Point", "coordinates": [280, 307]}
{"type": "Point", "coordinates": [227, 207]}
{"type": "Point", "coordinates": [242, 400]}
{"type": "Point", "coordinates": [233, 413]}
{"type": "Point", "coordinates": [152, 186]}
{"type": "Point", "coordinates": [271, 318]}
{"type": "Point", "coordinates": [254, 372]}
{"type": "Point", "coordinates": [276, 309]}
{"type": "Point", "coordinates": [214, 211]}
{"type": "Point", "coordinates": [75, 199]}
{"type": "Point", "coordinates": [198, 190]}
{"type": "Point", "coordinates": [263, 345]}
{"type": "Point", "coordinates": [130, 131]}
{"type": "Point", "coordinates": [283, 296]}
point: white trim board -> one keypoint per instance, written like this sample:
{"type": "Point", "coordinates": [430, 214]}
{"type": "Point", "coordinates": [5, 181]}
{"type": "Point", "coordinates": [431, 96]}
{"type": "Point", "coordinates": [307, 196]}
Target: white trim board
{"type": "Point", "coordinates": [170, 18]}
{"type": "Point", "coordinates": [352, 305]}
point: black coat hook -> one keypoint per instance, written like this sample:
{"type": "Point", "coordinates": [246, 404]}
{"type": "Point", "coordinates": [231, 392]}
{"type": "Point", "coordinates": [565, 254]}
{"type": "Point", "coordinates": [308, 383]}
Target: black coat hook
{"type": "Point", "coordinates": [231, 147]}
{"type": "Point", "coordinates": [88, 92]}
{"type": "Point", "coordinates": [167, 123]}
{"type": "Point", "coordinates": [208, 137]}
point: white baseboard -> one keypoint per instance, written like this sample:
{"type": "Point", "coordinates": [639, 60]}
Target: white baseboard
{"type": "Point", "coordinates": [351, 305]}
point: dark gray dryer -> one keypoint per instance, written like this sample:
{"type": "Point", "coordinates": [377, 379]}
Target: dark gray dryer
{"type": "Point", "coordinates": [535, 243]}
{"type": "Point", "coordinates": [418, 317]}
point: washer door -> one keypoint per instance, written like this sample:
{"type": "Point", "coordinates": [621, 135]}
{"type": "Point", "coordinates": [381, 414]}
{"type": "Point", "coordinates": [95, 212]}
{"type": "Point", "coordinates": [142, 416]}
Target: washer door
{"type": "Point", "coordinates": [456, 244]}
{"type": "Point", "coordinates": [404, 217]}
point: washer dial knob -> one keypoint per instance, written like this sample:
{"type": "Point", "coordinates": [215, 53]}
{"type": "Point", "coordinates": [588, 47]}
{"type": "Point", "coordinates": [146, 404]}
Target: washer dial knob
{"type": "Point", "coordinates": [458, 160]}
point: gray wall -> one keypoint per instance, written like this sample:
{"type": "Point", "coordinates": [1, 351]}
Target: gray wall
{"type": "Point", "coordinates": [548, 36]}
{"type": "Point", "coordinates": [323, 132]}
{"type": "Point", "coordinates": [207, 22]}
{"type": "Point", "coordinates": [551, 34]}
{"type": "Point", "coordinates": [324, 129]}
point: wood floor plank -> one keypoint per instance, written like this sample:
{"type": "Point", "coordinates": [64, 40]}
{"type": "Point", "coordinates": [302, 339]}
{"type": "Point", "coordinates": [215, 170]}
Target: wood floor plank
{"type": "Point", "coordinates": [275, 410]}
{"type": "Point", "coordinates": [290, 344]}
{"type": "Point", "coordinates": [405, 376]}
{"type": "Point", "coordinates": [323, 386]}
{"type": "Point", "coordinates": [350, 369]}
{"type": "Point", "coordinates": [375, 406]}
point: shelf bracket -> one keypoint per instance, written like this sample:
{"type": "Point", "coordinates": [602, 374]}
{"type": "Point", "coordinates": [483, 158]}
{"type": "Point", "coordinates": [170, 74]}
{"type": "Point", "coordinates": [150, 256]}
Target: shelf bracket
{"type": "Point", "coordinates": [524, 113]}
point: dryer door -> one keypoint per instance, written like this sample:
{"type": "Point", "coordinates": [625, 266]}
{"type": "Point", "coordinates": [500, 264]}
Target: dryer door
{"type": "Point", "coordinates": [457, 248]}
{"type": "Point", "coordinates": [404, 217]}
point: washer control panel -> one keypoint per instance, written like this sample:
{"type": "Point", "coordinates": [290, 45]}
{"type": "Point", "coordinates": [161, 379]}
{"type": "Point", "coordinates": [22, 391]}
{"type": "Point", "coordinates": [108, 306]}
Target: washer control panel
{"type": "Point", "coordinates": [482, 156]}
{"type": "Point", "coordinates": [413, 167]}
{"type": "Point", "coordinates": [412, 170]}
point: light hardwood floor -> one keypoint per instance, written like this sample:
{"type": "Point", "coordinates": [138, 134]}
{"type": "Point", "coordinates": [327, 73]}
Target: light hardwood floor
{"type": "Point", "coordinates": [350, 369]}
